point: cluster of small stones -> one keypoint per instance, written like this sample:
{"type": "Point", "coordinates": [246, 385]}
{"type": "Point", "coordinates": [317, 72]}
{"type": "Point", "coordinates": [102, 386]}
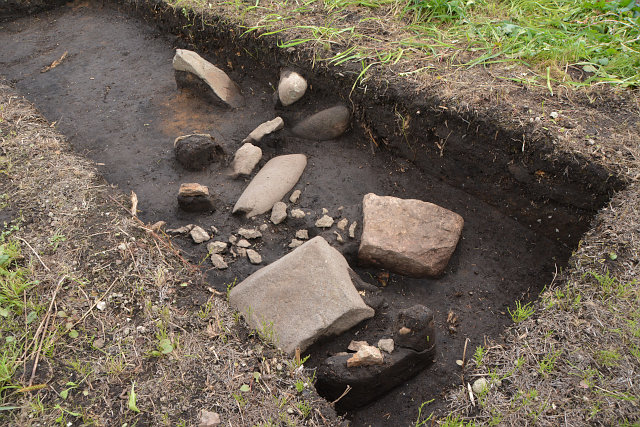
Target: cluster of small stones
{"type": "Point", "coordinates": [409, 237]}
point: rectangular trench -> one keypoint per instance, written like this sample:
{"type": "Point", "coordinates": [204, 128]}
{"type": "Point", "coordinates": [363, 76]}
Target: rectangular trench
{"type": "Point", "coordinates": [114, 96]}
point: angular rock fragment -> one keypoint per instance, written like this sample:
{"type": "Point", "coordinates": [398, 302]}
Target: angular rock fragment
{"type": "Point", "coordinates": [302, 234]}
{"type": "Point", "coordinates": [356, 345]}
{"type": "Point", "coordinates": [249, 233]}
{"type": "Point", "coordinates": [243, 244]}
{"type": "Point", "coordinates": [189, 64]}
{"type": "Point", "coordinates": [265, 128]}
{"type": "Point", "coordinates": [197, 151]}
{"type": "Point", "coordinates": [270, 185]}
{"type": "Point", "coordinates": [297, 213]}
{"type": "Point", "coordinates": [254, 257]}
{"type": "Point", "coordinates": [295, 196]}
{"type": "Point", "coordinates": [295, 243]}
{"type": "Point", "coordinates": [216, 247]}
{"type": "Point", "coordinates": [291, 87]}
{"type": "Point", "coordinates": [193, 197]}
{"type": "Point", "coordinates": [181, 230]}
{"type": "Point", "coordinates": [199, 235]}
{"type": "Point", "coordinates": [327, 124]}
{"type": "Point", "coordinates": [218, 262]}
{"type": "Point", "coordinates": [278, 212]}
{"type": "Point", "coordinates": [305, 295]}
{"type": "Point", "coordinates": [342, 224]}
{"type": "Point", "coordinates": [367, 355]}
{"type": "Point", "coordinates": [352, 230]}
{"type": "Point", "coordinates": [325, 222]}
{"type": "Point", "coordinates": [245, 160]}
{"type": "Point", "coordinates": [407, 236]}
{"type": "Point", "coordinates": [386, 345]}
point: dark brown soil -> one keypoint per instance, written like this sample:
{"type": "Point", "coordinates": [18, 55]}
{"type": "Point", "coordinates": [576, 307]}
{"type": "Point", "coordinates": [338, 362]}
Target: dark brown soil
{"type": "Point", "coordinates": [114, 96]}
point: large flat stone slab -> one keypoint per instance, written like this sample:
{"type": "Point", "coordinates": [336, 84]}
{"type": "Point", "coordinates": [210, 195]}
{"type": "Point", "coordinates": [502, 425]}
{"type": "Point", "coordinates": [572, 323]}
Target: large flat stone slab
{"type": "Point", "coordinates": [272, 183]}
{"type": "Point", "coordinates": [408, 236]}
{"type": "Point", "coordinates": [223, 87]}
{"type": "Point", "coordinates": [305, 295]}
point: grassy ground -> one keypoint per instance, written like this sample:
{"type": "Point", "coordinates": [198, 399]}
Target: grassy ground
{"type": "Point", "coordinates": [92, 331]}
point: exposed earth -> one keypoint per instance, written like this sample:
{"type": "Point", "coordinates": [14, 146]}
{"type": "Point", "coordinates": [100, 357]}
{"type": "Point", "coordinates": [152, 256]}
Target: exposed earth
{"type": "Point", "coordinates": [116, 100]}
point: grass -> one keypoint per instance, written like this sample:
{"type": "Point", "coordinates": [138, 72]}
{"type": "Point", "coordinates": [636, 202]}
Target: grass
{"type": "Point", "coordinates": [598, 39]}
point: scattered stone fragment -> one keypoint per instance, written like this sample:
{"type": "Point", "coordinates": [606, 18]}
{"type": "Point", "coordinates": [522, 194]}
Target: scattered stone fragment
{"type": "Point", "coordinates": [216, 247]}
{"type": "Point", "coordinates": [242, 243]}
{"type": "Point", "coordinates": [265, 128]}
{"type": "Point", "coordinates": [339, 238]}
{"type": "Point", "coordinates": [356, 345]}
{"type": "Point", "coordinates": [295, 196]}
{"type": "Point", "coordinates": [327, 124]}
{"type": "Point", "coordinates": [297, 213]}
{"type": "Point", "coordinates": [233, 239]}
{"type": "Point", "coordinates": [386, 345]}
{"type": "Point", "coordinates": [271, 184]}
{"type": "Point", "coordinates": [352, 230]}
{"type": "Point", "coordinates": [480, 385]}
{"type": "Point", "coordinates": [278, 212]}
{"type": "Point", "coordinates": [295, 243]}
{"type": "Point", "coordinates": [291, 87]}
{"type": "Point", "coordinates": [249, 233]}
{"type": "Point", "coordinates": [193, 197]}
{"type": "Point", "coordinates": [325, 222]}
{"type": "Point", "coordinates": [302, 234]}
{"type": "Point", "coordinates": [197, 151]}
{"type": "Point", "coordinates": [245, 159]}
{"type": "Point", "coordinates": [223, 87]}
{"type": "Point", "coordinates": [181, 230]}
{"type": "Point", "coordinates": [342, 224]}
{"type": "Point", "coordinates": [367, 355]}
{"type": "Point", "coordinates": [242, 252]}
{"type": "Point", "coordinates": [264, 227]}
{"type": "Point", "coordinates": [407, 236]}
{"type": "Point", "coordinates": [101, 305]}
{"type": "Point", "coordinates": [214, 230]}
{"type": "Point", "coordinates": [416, 329]}
{"type": "Point", "coordinates": [254, 257]}
{"type": "Point", "coordinates": [157, 226]}
{"type": "Point", "coordinates": [325, 211]}
{"type": "Point", "coordinates": [209, 419]}
{"type": "Point", "coordinates": [218, 262]}
{"type": "Point", "coordinates": [199, 235]}
{"type": "Point", "coordinates": [305, 295]}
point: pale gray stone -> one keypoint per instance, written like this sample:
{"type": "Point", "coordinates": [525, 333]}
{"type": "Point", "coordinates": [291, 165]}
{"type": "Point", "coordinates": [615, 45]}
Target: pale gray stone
{"type": "Point", "coordinates": [246, 159]}
{"type": "Point", "coordinates": [218, 262]}
{"type": "Point", "coordinates": [386, 345]}
{"type": "Point", "coordinates": [480, 385]}
{"type": "Point", "coordinates": [291, 87]}
{"type": "Point", "coordinates": [302, 234]}
{"type": "Point", "coordinates": [325, 222]}
{"type": "Point", "coordinates": [278, 212]}
{"type": "Point", "coordinates": [327, 124]}
{"type": "Point", "coordinates": [254, 257]}
{"type": "Point", "coordinates": [303, 296]}
{"type": "Point", "coordinates": [209, 419]}
{"type": "Point", "coordinates": [249, 233]}
{"type": "Point", "coordinates": [408, 236]}
{"type": "Point", "coordinates": [243, 243]}
{"type": "Point", "coordinates": [271, 184]}
{"type": "Point", "coordinates": [216, 247]}
{"type": "Point", "coordinates": [264, 129]}
{"type": "Point", "coordinates": [295, 196]}
{"type": "Point", "coordinates": [342, 224]}
{"type": "Point", "coordinates": [215, 78]}
{"type": "Point", "coordinates": [199, 235]}
{"type": "Point", "coordinates": [295, 243]}
{"type": "Point", "coordinates": [356, 345]}
{"type": "Point", "coordinates": [352, 230]}
{"type": "Point", "coordinates": [297, 213]}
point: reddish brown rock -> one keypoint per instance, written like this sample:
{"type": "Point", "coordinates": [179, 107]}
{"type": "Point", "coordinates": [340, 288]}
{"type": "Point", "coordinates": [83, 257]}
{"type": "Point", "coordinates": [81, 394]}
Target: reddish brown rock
{"type": "Point", "coordinates": [408, 236]}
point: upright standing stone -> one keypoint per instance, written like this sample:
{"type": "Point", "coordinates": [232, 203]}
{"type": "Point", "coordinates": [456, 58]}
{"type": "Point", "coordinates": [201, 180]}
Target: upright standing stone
{"type": "Point", "coordinates": [291, 87]}
{"type": "Point", "coordinates": [305, 295]}
{"type": "Point", "coordinates": [407, 236]}
{"type": "Point", "coordinates": [186, 61]}
{"type": "Point", "coordinates": [271, 184]}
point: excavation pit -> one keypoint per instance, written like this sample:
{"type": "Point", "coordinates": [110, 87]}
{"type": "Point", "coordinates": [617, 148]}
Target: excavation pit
{"type": "Point", "coordinates": [114, 96]}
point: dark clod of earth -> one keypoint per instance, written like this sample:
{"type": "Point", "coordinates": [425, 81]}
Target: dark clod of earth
{"type": "Point", "coordinates": [115, 98]}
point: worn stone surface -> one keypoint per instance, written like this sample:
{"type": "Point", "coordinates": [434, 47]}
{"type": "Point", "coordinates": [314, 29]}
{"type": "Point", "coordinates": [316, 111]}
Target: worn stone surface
{"type": "Point", "coordinates": [278, 212]}
{"type": "Point", "coordinates": [254, 257]}
{"type": "Point", "coordinates": [193, 189]}
{"type": "Point", "coordinates": [218, 261]}
{"type": "Point", "coordinates": [216, 247]}
{"type": "Point", "coordinates": [414, 328]}
{"type": "Point", "coordinates": [243, 243]}
{"type": "Point", "coordinates": [197, 151]}
{"type": "Point", "coordinates": [297, 213]}
{"type": "Point", "coordinates": [221, 85]}
{"type": "Point", "coordinates": [408, 236]}
{"type": "Point", "coordinates": [199, 235]}
{"type": "Point", "coordinates": [386, 345]}
{"type": "Point", "coordinates": [342, 224]}
{"type": "Point", "coordinates": [193, 197]}
{"type": "Point", "coordinates": [305, 295]}
{"type": "Point", "coordinates": [209, 419]}
{"type": "Point", "coordinates": [249, 233]}
{"type": "Point", "coordinates": [295, 243]}
{"type": "Point", "coordinates": [327, 124]}
{"type": "Point", "coordinates": [265, 128]}
{"type": "Point", "coordinates": [295, 196]}
{"type": "Point", "coordinates": [325, 222]}
{"type": "Point", "coordinates": [271, 184]}
{"type": "Point", "coordinates": [302, 234]}
{"type": "Point", "coordinates": [366, 355]}
{"type": "Point", "coordinates": [245, 159]}
{"type": "Point", "coordinates": [291, 87]}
